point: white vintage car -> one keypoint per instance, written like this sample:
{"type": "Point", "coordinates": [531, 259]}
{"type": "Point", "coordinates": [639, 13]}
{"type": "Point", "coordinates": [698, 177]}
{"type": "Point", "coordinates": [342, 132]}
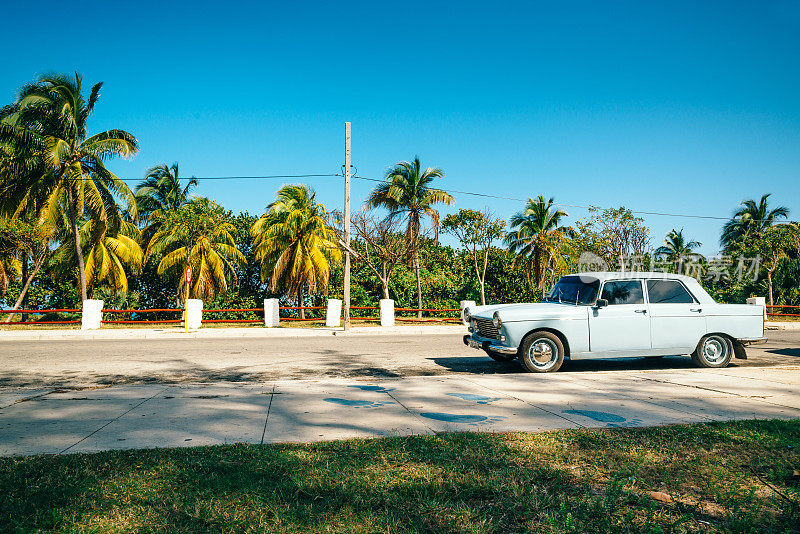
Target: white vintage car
{"type": "Point", "coordinates": [616, 315]}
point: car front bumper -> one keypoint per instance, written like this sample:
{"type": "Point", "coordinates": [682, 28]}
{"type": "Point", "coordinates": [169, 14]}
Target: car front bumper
{"type": "Point", "coordinates": [482, 343]}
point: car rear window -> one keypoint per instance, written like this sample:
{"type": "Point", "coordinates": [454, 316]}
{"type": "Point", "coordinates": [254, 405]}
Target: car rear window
{"type": "Point", "coordinates": [668, 292]}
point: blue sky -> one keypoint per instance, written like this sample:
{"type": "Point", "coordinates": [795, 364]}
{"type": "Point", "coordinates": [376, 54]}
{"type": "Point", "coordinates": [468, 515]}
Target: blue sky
{"type": "Point", "coordinates": [685, 107]}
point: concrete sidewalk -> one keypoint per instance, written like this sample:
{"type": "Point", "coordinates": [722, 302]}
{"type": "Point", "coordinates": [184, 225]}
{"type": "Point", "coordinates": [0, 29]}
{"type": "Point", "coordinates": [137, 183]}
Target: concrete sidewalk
{"type": "Point", "coordinates": [214, 333]}
{"type": "Point", "coordinates": [58, 421]}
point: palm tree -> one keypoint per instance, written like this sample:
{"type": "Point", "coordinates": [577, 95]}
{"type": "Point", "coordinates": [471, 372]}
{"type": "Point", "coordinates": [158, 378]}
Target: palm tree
{"type": "Point", "coordinates": [750, 221]}
{"type": "Point", "coordinates": [294, 243]}
{"type": "Point", "coordinates": [536, 237]}
{"type": "Point", "coordinates": [109, 253]}
{"type": "Point", "coordinates": [676, 246]}
{"type": "Point", "coordinates": [161, 192]}
{"type": "Point", "coordinates": [407, 193]}
{"type": "Point", "coordinates": [10, 267]}
{"type": "Point", "coordinates": [197, 235]}
{"type": "Point", "coordinates": [52, 115]}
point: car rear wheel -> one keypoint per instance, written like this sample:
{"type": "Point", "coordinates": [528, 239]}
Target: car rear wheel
{"type": "Point", "coordinates": [541, 352]}
{"type": "Point", "coordinates": [499, 356]}
{"type": "Point", "coordinates": [714, 351]}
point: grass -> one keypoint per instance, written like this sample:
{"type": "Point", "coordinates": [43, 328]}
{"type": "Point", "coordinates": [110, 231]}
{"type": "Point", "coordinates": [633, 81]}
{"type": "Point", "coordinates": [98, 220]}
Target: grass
{"type": "Point", "coordinates": [717, 477]}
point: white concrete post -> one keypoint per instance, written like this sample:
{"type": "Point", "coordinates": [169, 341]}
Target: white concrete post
{"type": "Point", "coordinates": [194, 314]}
{"type": "Point", "coordinates": [272, 315]}
{"type": "Point", "coordinates": [387, 312]}
{"type": "Point", "coordinates": [759, 301]}
{"type": "Point", "coordinates": [91, 314]}
{"type": "Point", "coordinates": [465, 304]}
{"type": "Point", "coordinates": [333, 313]}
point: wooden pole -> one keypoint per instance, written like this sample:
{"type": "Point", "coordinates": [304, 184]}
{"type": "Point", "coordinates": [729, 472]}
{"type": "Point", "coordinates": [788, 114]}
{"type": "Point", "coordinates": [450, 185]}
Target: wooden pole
{"type": "Point", "coordinates": [347, 225]}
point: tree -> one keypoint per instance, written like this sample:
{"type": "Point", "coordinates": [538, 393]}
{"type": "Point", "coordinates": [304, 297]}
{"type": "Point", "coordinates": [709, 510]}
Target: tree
{"type": "Point", "coordinates": [536, 237]}
{"type": "Point", "coordinates": [750, 221]}
{"type": "Point", "coordinates": [294, 243]}
{"type": "Point", "coordinates": [31, 241]}
{"type": "Point", "coordinates": [383, 246]}
{"type": "Point", "coordinates": [476, 230]}
{"type": "Point", "coordinates": [773, 245]}
{"type": "Point", "coordinates": [161, 192]}
{"type": "Point", "coordinates": [108, 252]}
{"type": "Point", "coordinates": [197, 235]}
{"type": "Point", "coordinates": [614, 234]}
{"type": "Point", "coordinates": [52, 115]}
{"type": "Point", "coordinates": [407, 193]}
{"type": "Point", "coordinates": [676, 247]}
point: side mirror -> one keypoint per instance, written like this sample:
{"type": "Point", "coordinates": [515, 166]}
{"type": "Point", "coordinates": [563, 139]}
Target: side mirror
{"type": "Point", "coordinates": [601, 303]}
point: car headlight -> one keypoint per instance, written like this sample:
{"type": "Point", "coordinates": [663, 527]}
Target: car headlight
{"type": "Point", "coordinates": [496, 321]}
{"type": "Point", "coordinates": [467, 316]}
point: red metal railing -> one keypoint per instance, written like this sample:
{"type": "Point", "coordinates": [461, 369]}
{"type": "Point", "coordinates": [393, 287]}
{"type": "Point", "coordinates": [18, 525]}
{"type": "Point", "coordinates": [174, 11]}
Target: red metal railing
{"type": "Point", "coordinates": [429, 319]}
{"type": "Point", "coordinates": [234, 319]}
{"type": "Point", "coordinates": [774, 314]}
{"type": "Point", "coordinates": [42, 312]}
{"type": "Point", "coordinates": [130, 316]}
{"type": "Point", "coordinates": [358, 316]}
{"type": "Point", "coordinates": [130, 320]}
{"type": "Point", "coordinates": [298, 318]}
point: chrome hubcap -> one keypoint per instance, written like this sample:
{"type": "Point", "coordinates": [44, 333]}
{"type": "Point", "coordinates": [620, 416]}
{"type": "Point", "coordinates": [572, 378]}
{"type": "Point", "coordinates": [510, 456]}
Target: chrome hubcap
{"type": "Point", "coordinates": [715, 350]}
{"type": "Point", "coordinates": [543, 353]}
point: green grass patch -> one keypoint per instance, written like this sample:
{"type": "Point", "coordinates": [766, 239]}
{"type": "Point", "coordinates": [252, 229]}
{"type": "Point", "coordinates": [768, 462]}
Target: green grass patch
{"type": "Point", "coordinates": [729, 477]}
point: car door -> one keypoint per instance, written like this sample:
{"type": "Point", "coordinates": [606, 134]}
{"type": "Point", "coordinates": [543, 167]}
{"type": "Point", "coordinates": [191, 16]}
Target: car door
{"type": "Point", "coordinates": [622, 328]}
{"type": "Point", "coordinates": [677, 321]}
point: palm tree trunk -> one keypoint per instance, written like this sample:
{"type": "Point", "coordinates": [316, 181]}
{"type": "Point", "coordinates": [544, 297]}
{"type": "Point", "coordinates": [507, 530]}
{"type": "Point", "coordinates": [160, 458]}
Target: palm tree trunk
{"type": "Point", "coordinates": [300, 303]}
{"type": "Point", "coordinates": [419, 284]}
{"type": "Point", "coordinates": [25, 277]}
{"type": "Point", "coordinates": [79, 252]}
{"type": "Point", "coordinates": [73, 215]}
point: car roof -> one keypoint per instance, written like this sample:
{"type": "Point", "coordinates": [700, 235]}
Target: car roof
{"type": "Point", "coordinates": [633, 275]}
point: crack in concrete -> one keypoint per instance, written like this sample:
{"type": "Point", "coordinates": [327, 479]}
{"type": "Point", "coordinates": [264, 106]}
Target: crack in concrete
{"type": "Point", "coordinates": [430, 429]}
{"type": "Point", "coordinates": [115, 419]}
{"type": "Point", "coordinates": [269, 407]}
{"type": "Point", "coordinates": [526, 402]}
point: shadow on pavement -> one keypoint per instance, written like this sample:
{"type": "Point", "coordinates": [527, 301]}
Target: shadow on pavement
{"type": "Point", "coordinates": [786, 352]}
{"type": "Point", "coordinates": [480, 365]}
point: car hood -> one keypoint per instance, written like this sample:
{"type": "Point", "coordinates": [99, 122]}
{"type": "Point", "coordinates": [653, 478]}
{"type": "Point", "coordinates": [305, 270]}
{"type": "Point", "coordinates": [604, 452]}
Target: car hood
{"type": "Point", "coordinates": [529, 311]}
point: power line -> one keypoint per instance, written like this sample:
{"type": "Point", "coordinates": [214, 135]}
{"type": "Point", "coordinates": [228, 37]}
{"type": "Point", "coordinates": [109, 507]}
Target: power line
{"type": "Point", "coordinates": [272, 177]}
{"type": "Point", "coordinates": [452, 191]}
{"type": "Point", "coordinates": [486, 195]}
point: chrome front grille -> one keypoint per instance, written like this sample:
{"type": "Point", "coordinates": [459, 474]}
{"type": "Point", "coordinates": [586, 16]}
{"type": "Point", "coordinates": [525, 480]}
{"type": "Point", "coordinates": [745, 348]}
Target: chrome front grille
{"type": "Point", "coordinates": [486, 328]}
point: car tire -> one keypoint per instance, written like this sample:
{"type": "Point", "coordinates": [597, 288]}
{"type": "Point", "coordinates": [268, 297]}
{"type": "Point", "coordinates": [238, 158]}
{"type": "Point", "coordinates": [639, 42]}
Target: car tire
{"type": "Point", "coordinates": [714, 351]}
{"type": "Point", "coordinates": [541, 352]}
{"type": "Point", "coordinates": [499, 356]}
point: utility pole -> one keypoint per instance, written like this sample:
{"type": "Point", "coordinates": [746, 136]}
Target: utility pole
{"type": "Point", "coordinates": [347, 226]}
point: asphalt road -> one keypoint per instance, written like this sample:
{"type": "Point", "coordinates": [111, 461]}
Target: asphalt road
{"type": "Point", "coordinates": [102, 362]}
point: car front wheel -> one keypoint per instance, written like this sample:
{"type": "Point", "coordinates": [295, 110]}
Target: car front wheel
{"type": "Point", "coordinates": [714, 351]}
{"type": "Point", "coordinates": [541, 352]}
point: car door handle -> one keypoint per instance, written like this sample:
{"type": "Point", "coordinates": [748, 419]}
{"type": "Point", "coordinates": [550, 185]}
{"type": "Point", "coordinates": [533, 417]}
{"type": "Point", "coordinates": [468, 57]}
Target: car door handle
{"type": "Point", "coordinates": [640, 311]}
{"type": "Point", "coordinates": [697, 310]}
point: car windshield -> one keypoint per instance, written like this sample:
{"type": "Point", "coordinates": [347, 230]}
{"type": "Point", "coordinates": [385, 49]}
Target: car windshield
{"type": "Point", "coordinates": [574, 290]}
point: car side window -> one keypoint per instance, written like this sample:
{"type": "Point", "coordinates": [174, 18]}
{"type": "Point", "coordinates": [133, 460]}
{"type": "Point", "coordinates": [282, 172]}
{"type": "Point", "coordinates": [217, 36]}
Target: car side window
{"type": "Point", "coordinates": [668, 292]}
{"type": "Point", "coordinates": [623, 292]}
